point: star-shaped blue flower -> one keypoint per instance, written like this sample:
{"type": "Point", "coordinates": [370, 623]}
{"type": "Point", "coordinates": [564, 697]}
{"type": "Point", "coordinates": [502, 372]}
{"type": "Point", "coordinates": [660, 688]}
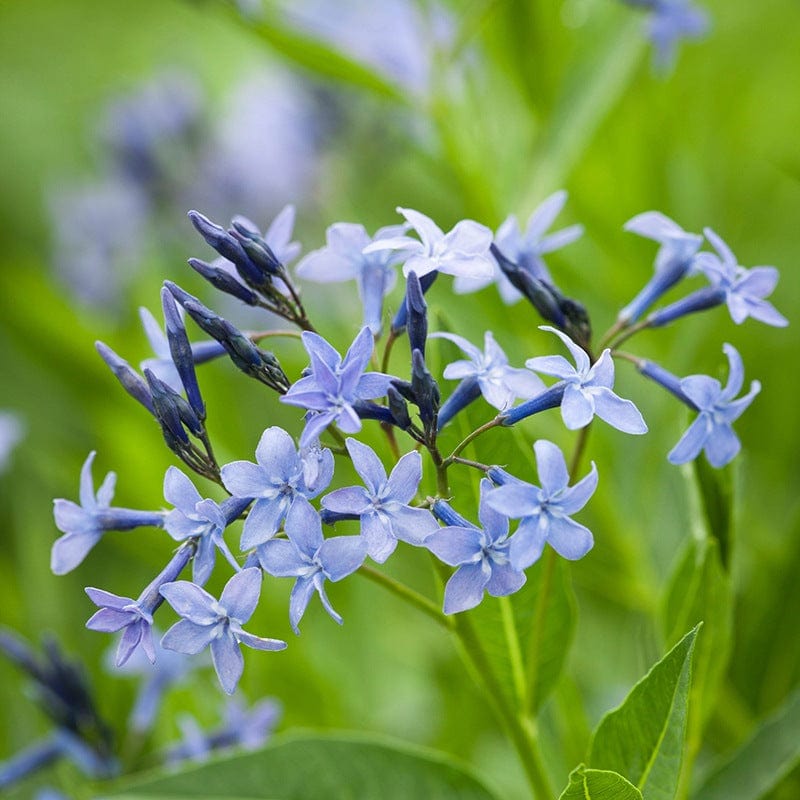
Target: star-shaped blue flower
{"type": "Point", "coordinates": [745, 289]}
{"type": "Point", "coordinates": [135, 617]}
{"type": "Point", "coordinates": [311, 559]}
{"type": "Point", "coordinates": [335, 384]}
{"type": "Point", "coordinates": [83, 525]}
{"type": "Point", "coordinates": [718, 408]}
{"type": "Point", "coordinates": [382, 504]}
{"type": "Point", "coordinates": [463, 251]}
{"type": "Point", "coordinates": [587, 389]}
{"type": "Point", "coordinates": [489, 373]}
{"type": "Point", "coordinates": [526, 248]}
{"type": "Point", "coordinates": [481, 555]}
{"type": "Point", "coordinates": [208, 622]}
{"type": "Point", "coordinates": [675, 258]}
{"type": "Point", "coordinates": [201, 519]}
{"type": "Point", "coordinates": [280, 475]}
{"type": "Point", "coordinates": [343, 259]}
{"type": "Point", "coordinates": [544, 512]}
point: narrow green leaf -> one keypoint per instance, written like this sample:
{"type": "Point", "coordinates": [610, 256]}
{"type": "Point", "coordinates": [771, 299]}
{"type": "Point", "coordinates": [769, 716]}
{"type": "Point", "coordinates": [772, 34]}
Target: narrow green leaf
{"type": "Point", "coordinates": [302, 767]}
{"type": "Point", "coordinates": [700, 591]}
{"type": "Point", "coordinates": [318, 56]}
{"type": "Point", "coordinates": [715, 487]}
{"type": "Point", "coordinates": [644, 738]}
{"type": "Point", "coordinates": [598, 784]}
{"type": "Point", "coordinates": [762, 762]}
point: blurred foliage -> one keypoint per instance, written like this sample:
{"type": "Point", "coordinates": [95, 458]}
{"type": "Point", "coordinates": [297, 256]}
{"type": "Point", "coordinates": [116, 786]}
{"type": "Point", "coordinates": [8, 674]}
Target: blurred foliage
{"type": "Point", "coordinates": [537, 97]}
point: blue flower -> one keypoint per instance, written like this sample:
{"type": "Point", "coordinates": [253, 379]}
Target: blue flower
{"type": "Point", "coordinates": [248, 728]}
{"type": "Point", "coordinates": [489, 373]}
{"type": "Point", "coordinates": [383, 506]}
{"type": "Point", "coordinates": [311, 559]}
{"type": "Point", "coordinates": [135, 617]}
{"type": "Point", "coordinates": [669, 22]}
{"type": "Point", "coordinates": [745, 289]}
{"type": "Point", "coordinates": [718, 408]}
{"type": "Point", "coordinates": [335, 384]}
{"type": "Point", "coordinates": [587, 388]}
{"type": "Point", "coordinates": [525, 249]}
{"type": "Point", "coordinates": [278, 235]}
{"type": "Point", "coordinates": [544, 513]}
{"type": "Point", "coordinates": [217, 623]}
{"type": "Point", "coordinates": [675, 259]}
{"type": "Point", "coordinates": [481, 555]}
{"type": "Point", "coordinates": [463, 251]}
{"type": "Point", "coordinates": [161, 365]}
{"type": "Point", "coordinates": [83, 525]}
{"type": "Point", "coordinates": [200, 519]}
{"type": "Point", "coordinates": [279, 477]}
{"type": "Point", "coordinates": [343, 259]}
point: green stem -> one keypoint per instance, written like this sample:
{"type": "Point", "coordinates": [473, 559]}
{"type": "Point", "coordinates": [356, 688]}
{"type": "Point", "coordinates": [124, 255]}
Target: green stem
{"type": "Point", "coordinates": [408, 594]}
{"type": "Point", "coordinates": [474, 435]}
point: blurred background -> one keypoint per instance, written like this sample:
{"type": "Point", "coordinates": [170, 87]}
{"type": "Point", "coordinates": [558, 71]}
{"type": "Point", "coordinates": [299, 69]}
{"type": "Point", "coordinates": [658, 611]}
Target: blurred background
{"type": "Point", "coordinates": [118, 118]}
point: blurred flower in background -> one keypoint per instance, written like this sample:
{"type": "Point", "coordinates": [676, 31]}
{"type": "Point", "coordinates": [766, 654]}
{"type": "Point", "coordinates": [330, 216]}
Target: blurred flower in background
{"type": "Point", "coordinates": [12, 431]}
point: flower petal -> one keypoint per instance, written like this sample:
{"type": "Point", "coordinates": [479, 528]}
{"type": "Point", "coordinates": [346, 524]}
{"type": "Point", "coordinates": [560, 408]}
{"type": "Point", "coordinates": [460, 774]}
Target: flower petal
{"type": "Point", "coordinates": [303, 527]}
{"type": "Point", "coordinates": [377, 534]}
{"type": "Point", "coordinates": [367, 465]}
{"type": "Point", "coordinates": [577, 407]}
{"type": "Point", "coordinates": [228, 661]}
{"type": "Point", "coordinates": [551, 466]}
{"type": "Point", "coordinates": [188, 637]}
{"type": "Point", "coordinates": [455, 545]}
{"type": "Point", "coordinates": [692, 442]}
{"type": "Point", "coordinates": [616, 411]}
{"type": "Point", "coordinates": [465, 589]}
{"type": "Point", "coordinates": [280, 559]}
{"type": "Point", "coordinates": [180, 491]}
{"type": "Point", "coordinates": [240, 596]}
{"type": "Point", "coordinates": [568, 538]}
{"type": "Point", "coordinates": [340, 556]}
{"type": "Point", "coordinates": [404, 481]}
{"type": "Point", "coordinates": [264, 520]}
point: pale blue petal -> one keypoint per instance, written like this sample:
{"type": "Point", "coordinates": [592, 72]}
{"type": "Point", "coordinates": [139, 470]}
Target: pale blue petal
{"type": "Point", "coordinates": [701, 390]}
{"type": "Point", "coordinates": [315, 425]}
{"type": "Point", "coordinates": [315, 344]}
{"type": "Point", "coordinates": [280, 559]}
{"type": "Point", "coordinates": [228, 661]}
{"type": "Point", "coordinates": [722, 446]}
{"type": "Point", "coordinates": [577, 407]}
{"type": "Point", "coordinates": [527, 544]}
{"type": "Point", "coordinates": [735, 373]}
{"type": "Point", "coordinates": [465, 345]}
{"type": "Point", "coordinates": [86, 489]}
{"type": "Point", "coordinates": [105, 494]}
{"type": "Point", "coordinates": [303, 527]}
{"type": "Point", "coordinates": [455, 546]}
{"type": "Point", "coordinates": [733, 410]}
{"type": "Point", "coordinates": [277, 454]}
{"type": "Point", "coordinates": [188, 637]}
{"type": "Point", "coordinates": [377, 534]}
{"type": "Point", "coordinates": [180, 491]}
{"type": "Point", "coordinates": [569, 539]}
{"type": "Point", "coordinates": [259, 642]}
{"type": "Point", "coordinates": [404, 481]}
{"type": "Point", "coordinates": [602, 372]}
{"type": "Point", "coordinates": [514, 500]}
{"type": "Point", "coordinates": [319, 585]}
{"type": "Point", "coordinates": [105, 599]}
{"type": "Point", "coordinates": [240, 596]}
{"type": "Point", "coordinates": [505, 580]}
{"type": "Point", "coordinates": [494, 523]}
{"type": "Point", "coordinates": [551, 467]}
{"type": "Point", "coordinates": [465, 589]}
{"type": "Point", "coordinates": [577, 496]}
{"type": "Point", "coordinates": [263, 521]}
{"type": "Point", "coordinates": [616, 411]}
{"type": "Point", "coordinates": [411, 525]}
{"type": "Point", "coordinates": [190, 601]}
{"type": "Point", "coordinates": [299, 599]}
{"type": "Point", "coordinates": [429, 232]}
{"type": "Point", "coordinates": [691, 443]}
{"type": "Point", "coordinates": [69, 550]}
{"type": "Point", "coordinates": [544, 216]}
{"type": "Point", "coordinates": [557, 366]}
{"type": "Point", "coordinates": [477, 266]}
{"type": "Point", "coordinates": [341, 556]}
{"type": "Point", "coordinates": [523, 383]}
{"type": "Point", "coordinates": [559, 239]}
{"type": "Point", "coordinates": [578, 353]}
{"type": "Point", "coordinates": [110, 620]}
{"type": "Point", "coordinates": [470, 238]}
{"type": "Point", "coordinates": [326, 266]}
{"type": "Point", "coordinates": [246, 479]}
{"type": "Point", "coordinates": [349, 500]}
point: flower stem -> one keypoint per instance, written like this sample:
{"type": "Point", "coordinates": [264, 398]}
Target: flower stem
{"type": "Point", "coordinates": [408, 594]}
{"type": "Point", "coordinates": [493, 423]}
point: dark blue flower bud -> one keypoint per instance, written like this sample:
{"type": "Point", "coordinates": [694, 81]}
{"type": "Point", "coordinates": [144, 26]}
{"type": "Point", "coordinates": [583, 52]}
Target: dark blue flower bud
{"type": "Point", "coordinates": [224, 281]}
{"type": "Point", "coordinates": [367, 410]}
{"type": "Point", "coordinates": [417, 314]}
{"type": "Point", "coordinates": [166, 409]}
{"type": "Point", "coordinates": [550, 398]}
{"type": "Point", "coordinates": [398, 408]}
{"type": "Point", "coordinates": [234, 507]}
{"type": "Point", "coordinates": [227, 247]}
{"type": "Point", "coordinates": [130, 380]}
{"type": "Point", "coordinates": [500, 477]}
{"type": "Point", "coordinates": [329, 517]}
{"type": "Point", "coordinates": [399, 323]}
{"type": "Point", "coordinates": [181, 352]}
{"type": "Point", "coordinates": [426, 391]}
{"type": "Point", "coordinates": [700, 300]}
{"type": "Point", "coordinates": [468, 390]}
{"type": "Point", "coordinates": [260, 253]}
{"type": "Point", "coordinates": [445, 513]}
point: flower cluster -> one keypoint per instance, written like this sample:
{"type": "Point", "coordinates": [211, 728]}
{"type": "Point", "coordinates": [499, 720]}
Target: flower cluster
{"type": "Point", "coordinates": [288, 495]}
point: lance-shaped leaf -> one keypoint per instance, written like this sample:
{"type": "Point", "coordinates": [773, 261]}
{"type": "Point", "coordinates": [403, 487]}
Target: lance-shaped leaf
{"type": "Point", "coordinates": [644, 738]}
{"type": "Point", "coordinates": [336, 767]}
{"type": "Point", "coordinates": [598, 784]}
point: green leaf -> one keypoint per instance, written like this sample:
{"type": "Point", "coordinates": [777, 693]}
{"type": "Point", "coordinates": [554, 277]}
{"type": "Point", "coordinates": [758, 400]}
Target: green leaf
{"type": "Point", "coordinates": [644, 738]}
{"type": "Point", "coordinates": [762, 762]}
{"type": "Point", "coordinates": [318, 56]}
{"type": "Point", "coordinates": [700, 591]}
{"type": "Point", "coordinates": [598, 784]}
{"type": "Point", "coordinates": [317, 767]}
{"type": "Point", "coordinates": [715, 488]}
